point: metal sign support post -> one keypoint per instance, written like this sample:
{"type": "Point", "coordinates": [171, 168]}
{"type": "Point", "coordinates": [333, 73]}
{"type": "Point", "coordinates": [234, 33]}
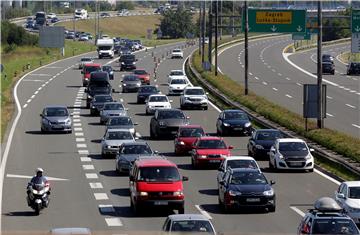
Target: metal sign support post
{"type": "Point", "coordinates": [216, 38]}
{"type": "Point", "coordinates": [203, 32]}
{"type": "Point", "coordinates": [320, 120]}
{"type": "Point", "coordinates": [246, 48]}
{"type": "Point", "coordinates": [210, 37]}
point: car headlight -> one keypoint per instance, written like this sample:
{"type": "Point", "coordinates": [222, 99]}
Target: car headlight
{"type": "Point", "coordinates": [86, 79]}
{"type": "Point", "coordinates": [226, 124]}
{"type": "Point", "coordinates": [202, 156]}
{"type": "Point", "coordinates": [161, 123]}
{"type": "Point", "coordinates": [308, 157]}
{"type": "Point", "coordinates": [281, 157]}
{"type": "Point", "coordinates": [108, 146]}
{"type": "Point", "coordinates": [68, 121]}
{"type": "Point", "coordinates": [93, 107]}
{"type": "Point", "coordinates": [138, 84]}
{"type": "Point", "coordinates": [123, 63]}
{"type": "Point", "coordinates": [132, 130]}
{"type": "Point", "coordinates": [124, 84]}
{"type": "Point", "coordinates": [234, 193]}
{"type": "Point", "coordinates": [248, 124]}
{"type": "Point", "coordinates": [89, 97]}
{"type": "Point", "coordinates": [143, 194]}
{"type": "Point", "coordinates": [133, 62]}
{"type": "Point", "coordinates": [178, 193]}
{"type": "Point", "coordinates": [269, 192]}
{"type": "Point", "coordinates": [181, 143]}
{"type": "Point", "coordinates": [111, 72]}
{"type": "Point", "coordinates": [259, 146]}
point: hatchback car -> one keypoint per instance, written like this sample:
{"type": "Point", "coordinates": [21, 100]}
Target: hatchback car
{"type": "Point", "coordinates": [85, 60]}
{"type": "Point", "coordinates": [186, 137]}
{"type": "Point", "coordinates": [145, 91]}
{"type": "Point", "coordinates": [166, 122]}
{"type": "Point", "coordinates": [97, 103]}
{"type": "Point", "coordinates": [143, 76]}
{"type": "Point", "coordinates": [156, 102]}
{"type": "Point", "coordinates": [194, 97]}
{"type": "Point", "coordinates": [245, 187]}
{"type": "Point", "coordinates": [328, 68]}
{"type": "Point", "coordinates": [83, 37]}
{"type": "Point", "coordinates": [348, 197]}
{"type": "Point", "coordinates": [233, 121]}
{"type": "Point", "coordinates": [353, 68]}
{"type": "Point", "coordinates": [122, 122]}
{"type": "Point", "coordinates": [188, 224]}
{"type": "Point", "coordinates": [130, 83]}
{"type": "Point", "coordinates": [55, 118]}
{"type": "Point", "coordinates": [177, 53]}
{"type": "Point", "coordinates": [176, 74]}
{"type": "Point", "coordinates": [177, 86]}
{"type": "Point", "coordinates": [112, 109]}
{"type": "Point", "coordinates": [113, 139]}
{"type": "Point", "coordinates": [109, 70]}
{"type": "Point", "coordinates": [261, 141]}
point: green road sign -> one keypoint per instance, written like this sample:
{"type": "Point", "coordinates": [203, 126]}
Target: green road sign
{"type": "Point", "coordinates": [312, 24]}
{"type": "Point", "coordinates": [276, 21]}
{"type": "Point", "coordinates": [355, 20]}
{"type": "Point", "coordinates": [301, 36]}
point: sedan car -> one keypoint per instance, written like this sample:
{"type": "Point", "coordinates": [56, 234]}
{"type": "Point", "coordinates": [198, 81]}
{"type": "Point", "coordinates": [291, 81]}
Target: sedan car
{"type": "Point", "coordinates": [348, 197]}
{"type": "Point", "coordinates": [145, 91]}
{"type": "Point", "coordinates": [194, 97]}
{"type": "Point", "coordinates": [176, 74]}
{"type": "Point", "coordinates": [327, 58]}
{"type": "Point", "coordinates": [328, 67]}
{"type": "Point", "coordinates": [130, 83]}
{"type": "Point", "coordinates": [261, 141]}
{"type": "Point", "coordinates": [353, 68]}
{"type": "Point", "coordinates": [167, 122]}
{"type": "Point", "coordinates": [30, 24]}
{"type": "Point", "coordinates": [128, 153]}
{"type": "Point", "coordinates": [291, 153]}
{"type": "Point", "coordinates": [233, 121]}
{"type": "Point", "coordinates": [123, 122]}
{"type": "Point", "coordinates": [156, 102]}
{"type": "Point", "coordinates": [85, 60]}
{"type": "Point", "coordinates": [177, 86]}
{"type": "Point", "coordinates": [209, 150]}
{"type": "Point", "coordinates": [177, 53]}
{"type": "Point", "coordinates": [188, 224]}
{"type": "Point", "coordinates": [245, 187]}
{"type": "Point", "coordinates": [55, 118]}
{"type": "Point", "coordinates": [186, 137]}
{"type": "Point", "coordinates": [143, 76]}
{"type": "Point", "coordinates": [109, 70]}
{"type": "Point", "coordinates": [83, 37]}
{"type": "Point", "coordinates": [113, 139]}
{"type": "Point", "coordinates": [112, 109]}
{"type": "Point", "coordinates": [97, 103]}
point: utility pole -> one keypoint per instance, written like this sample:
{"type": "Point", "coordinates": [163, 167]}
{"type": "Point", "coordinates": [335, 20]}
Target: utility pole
{"type": "Point", "coordinates": [95, 34]}
{"type": "Point", "coordinates": [320, 120]}
{"type": "Point", "coordinates": [233, 19]}
{"type": "Point", "coordinates": [246, 47]}
{"type": "Point", "coordinates": [98, 19]}
{"type": "Point", "coordinates": [216, 37]}
{"type": "Point", "coordinates": [221, 18]}
{"type": "Point", "coordinates": [74, 21]}
{"type": "Point", "coordinates": [203, 32]}
{"type": "Point", "coordinates": [210, 29]}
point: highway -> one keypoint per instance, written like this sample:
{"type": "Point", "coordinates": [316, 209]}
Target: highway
{"type": "Point", "coordinates": [280, 77]}
{"type": "Point", "coordinates": [86, 191]}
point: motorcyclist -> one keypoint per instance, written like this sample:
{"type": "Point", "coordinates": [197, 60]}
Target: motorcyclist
{"type": "Point", "coordinates": [37, 179]}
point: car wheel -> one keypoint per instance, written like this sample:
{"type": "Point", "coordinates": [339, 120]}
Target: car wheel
{"type": "Point", "coordinates": [193, 164]}
{"type": "Point", "coordinates": [151, 134]}
{"type": "Point", "coordinates": [271, 166]}
{"type": "Point", "coordinates": [92, 112]}
{"type": "Point", "coordinates": [311, 170]}
{"type": "Point", "coordinates": [275, 166]}
{"type": "Point", "coordinates": [69, 132]}
{"type": "Point", "coordinates": [182, 107]}
{"type": "Point", "coordinates": [271, 208]}
{"type": "Point", "coordinates": [206, 108]}
{"type": "Point", "coordinates": [181, 210]}
{"type": "Point", "coordinates": [87, 105]}
{"type": "Point", "coordinates": [249, 153]}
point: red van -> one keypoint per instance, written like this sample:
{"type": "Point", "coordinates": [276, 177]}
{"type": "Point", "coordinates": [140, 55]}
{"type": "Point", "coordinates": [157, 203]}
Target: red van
{"type": "Point", "coordinates": [87, 69]}
{"type": "Point", "coordinates": [156, 182]}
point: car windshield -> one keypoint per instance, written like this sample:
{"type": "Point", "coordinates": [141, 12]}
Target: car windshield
{"type": "Point", "coordinates": [128, 57]}
{"type": "Point", "coordinates": [236, 115]}
{"type": "Point", "coordinates": [178, 81]}
{"type": "Point", "coordinates": [293, 147]}
{"type": "Point", "coordinates": [140, 72]}
{"type": "Point", "coordinates": [104, 48]}
{"type": "Point", "coordinates": [119, 135]}
{"type": "Point", "coordinates": [354, 192]}
{"type": "Point", "coordinates": [211, 144]}
{"type": "Point", "coordinates": [90, 69]}
{"type": "Point", "coordinates": [248, 178]}
{"type": "Point", "coordinates": [355, 65]}
{"type": "Point", "coordinates": [102, 99]}
{"type": "Point", "coordinates": [334, 226]}
{"type": "Point", "coordinates": [192, 226]}
{"type": "Point", "coordinates": [114, 106]}
{"type": "Point", "coordinates": [159, 174]}
{"type": "Point", "coordinates": [131, 78]}
{"type": "Point", "coordinates": [171, 115]}
{"type": "Point", "coordinates": [120, 121]}
{"type": "Point", "coordinates": [268, 135]}
{"type": "Point", "coordinates": [176, 50]}
{"type": "Point", "coordinates": [56, 112]}
{"type": "Point", "coordinates": [191, 132]}
{"type": "Point", "coordinates": [158, 99]}
{"type": "Point", "coordinates": [242, 164]}
{"type": "Point", "coordinates": [85, 59]}
{"type": "Point", "coordinates": [136, 149]}
{"type": "Point", "coordinates": [147, 89]}
{"type": "Point", "coordinates": [194, 92]}
{"type": "Point", "coordinates": [176, 73]}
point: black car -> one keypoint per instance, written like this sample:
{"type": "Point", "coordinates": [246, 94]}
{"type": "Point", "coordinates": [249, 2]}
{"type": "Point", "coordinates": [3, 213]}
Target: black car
{"type": "Point", "coordinates": [30, 24]}
{"type": "Point", "coordinates": [327, 58]}
{"type": "Point", "coordinates": [328, 67]}
{"type": "Point", "coordinates": [98, 84]}
{"type": "Point", "coordinates": [166, 122]}
{"type": "Point", "coordinates": [353, 68]}
{"type": "Point", "coordinates": [261, 141]}
{"type": "Point", "coordinates": [130, 83]}
{"type": "Point", "coordinates": [127, 62]}
{"type": "Point", "coordinates": [233, 121]}
{"type": "Point", "coordinates": [145, 91]}
{"type": "Point", "coordinates": [54, 20]}
{"type": "Point", "coordinates": [246, 187]}
{"type": "Point", "coordinates": [123, 50]}
{"type": "Point", "coordinates": [97, 103]}
{"type": "Point", "coordinates": [109, 70]}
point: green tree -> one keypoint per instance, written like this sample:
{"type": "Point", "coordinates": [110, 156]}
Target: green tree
{"type": "Point", "coordinates": [177, 24]}
{"type": "Point", "coordinates": [124, 5]}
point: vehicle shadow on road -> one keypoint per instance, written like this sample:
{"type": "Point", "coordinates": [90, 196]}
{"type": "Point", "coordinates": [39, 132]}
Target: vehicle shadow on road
{"type": "Point", "coordinates": [44, 133]}
{"type": "Point", "coordinates": [126, 211]}
{"type": "Point", "coordinates": [73, 107]}
{"type": "Point", "coordinates": [98, 157]}
{"type": "Point", "coordinates": [20, 213]}
{"type": "Point", "coordinates": [210, 192]}
{"type": "Point", "coordinates": [97, 141]}
{"type": "Point", "coordinates": [216, 209]}
{"type": "Point", "coordinates": [142, 114]}
{"type": "Point", "coordinates": [72, 86]}
{"type": "Point", "coordinates": [185, 166]}
{"type": "Point", "coordinates": [111, 173]}
{"type": "Point", "coordinates": [95, 124]}
{"type": "Point", "coordinates": [122, 192]}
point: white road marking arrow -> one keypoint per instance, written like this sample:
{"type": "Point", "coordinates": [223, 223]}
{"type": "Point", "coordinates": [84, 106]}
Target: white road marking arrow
{"type": "Point", "coordinates": [273, 28]}
{"type": "Point", "coordinates": [29, 177]}
{"type": "Point", "coordinates": [357, 29]}
{"type": "Point", "coordinates": [299, 28]}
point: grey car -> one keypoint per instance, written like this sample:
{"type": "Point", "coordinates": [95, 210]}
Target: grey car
{"type": "Point", "coordinates": [55, 118]}
{"type": "Point", "coordinates": [128, 153]}
{"type": "Point", "coordinates": [112, 109]}
{"type": "Point", "coordinates": [97, 103]}
{"type": "Point", "coordinates": [188, 224]}
{"type": "Point", "coordinates": [130, 83]}
{"type": "Point", "coordinates": [113, 139]}
{"type": "Point", "coordinates": [123, 122]}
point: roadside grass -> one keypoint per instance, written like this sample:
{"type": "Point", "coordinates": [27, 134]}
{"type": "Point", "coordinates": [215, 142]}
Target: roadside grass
{"type": "Point", "coordinates": [348, 56]}
{"type": "Point", "coordinates": [15, 65]}
{"type": "Point", "coordinates": [339, 142]}
{"type": "Point", "coordinates": [335, 169]}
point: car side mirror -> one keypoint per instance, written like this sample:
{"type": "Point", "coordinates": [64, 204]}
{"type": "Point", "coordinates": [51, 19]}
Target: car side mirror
{"type": "Point", "coordinates": [221, 169]}
{"type": "Point", "coordinates": [184, 178]}
{"type": "Point", "coordinates": [131, 178]}
{"type": "Point", "coordinates": [340, 195]}
{"type": "Point", "coordinates": [86, 90]}
{"type": "Point", "coordinates": [136, 59]}
{"type": "Point", "coordinates": [41, 115]}
{"type": "Point", "coordinates": [231, 147]}
{"type": "Point", "coordinates": [272, 182]}
{"type": "Point", "coordinates": [82, 72]}
{"type": "Point", "coordinates": [121, 81]}
{"type": "Point", "coordinates": [312, 150]}
{"type": "Point", "coordinates": [170, 101]}
{"type": "Point", "coordinates": [135, 124]}
{"type": "Point", "coordinates": [222, 182]}
{"type": "Point", "coordinates": [156, 152]}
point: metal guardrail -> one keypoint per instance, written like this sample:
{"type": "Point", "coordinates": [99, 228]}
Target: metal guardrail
{"type": "Point", "coordinates": [330, 155]}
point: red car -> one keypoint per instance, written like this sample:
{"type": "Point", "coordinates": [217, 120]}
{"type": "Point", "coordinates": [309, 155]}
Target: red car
{"type": "Point", "coordinates": [143, 76]}
{"type": "Point", "coordinates": [208, 150]}
{"type": "Point", "coordinates": [186, 137]}
{"type": "Point", "coordinates": [87, 69]}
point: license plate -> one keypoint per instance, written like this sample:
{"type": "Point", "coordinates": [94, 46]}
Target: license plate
{"type": "Point", "coordinates": [296, 163]}
{"type": "Point", "coordinates": [237, 128]}
{"type": "Point", "coordinates": [57, 127]}
{"type": "Point", "coordinates": [214, 161]}
{"type": "Point", "coordinates": [160, 203]}
{"type": "Point", "coordinates": [173, 132]}
{"type": "Point", "coordinates": [253, 199]}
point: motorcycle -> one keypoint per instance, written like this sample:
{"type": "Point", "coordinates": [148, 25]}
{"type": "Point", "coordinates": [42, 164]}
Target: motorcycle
{"type": "Point", "coordinates": [38, 196]}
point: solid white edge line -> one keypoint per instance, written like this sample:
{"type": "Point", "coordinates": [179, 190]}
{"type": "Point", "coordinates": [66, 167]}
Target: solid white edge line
{"type": "Point", "coordinates": [327, 177]}
{"type": "Point", "coordinates": [204, 213]}
{"type": "Point", "coordinates": [297, 210]}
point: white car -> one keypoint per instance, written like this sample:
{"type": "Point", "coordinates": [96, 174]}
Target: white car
{"type": "Point", "coordinates": [236, 162]}
{"type": "Point", "coordinates": [177, 86]}
{"type": "Point", "coordinates": [83, 37]}
{"type": "Point", "coordinates": [85, 60]}
{"type": "Point", "coordinates": [291, 153]}
{"type": "Point", "coordinates": [176, 74]}
{"type": "Point", "coordinates": [157, 101]}
{"type": "Point", "coordinates": [348, 197]}
{"type": "Point", "coordinates": [177, 53]}
{"type": "Point", "coordinates": [51, 15]}
{"type": "Point", "coordinates": [194, 97]}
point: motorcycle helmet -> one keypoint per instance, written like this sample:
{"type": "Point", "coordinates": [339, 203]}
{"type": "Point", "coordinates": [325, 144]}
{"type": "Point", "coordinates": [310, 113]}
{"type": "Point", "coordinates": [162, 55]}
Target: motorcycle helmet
{"type": "Point", "coordinates": [39, 170]}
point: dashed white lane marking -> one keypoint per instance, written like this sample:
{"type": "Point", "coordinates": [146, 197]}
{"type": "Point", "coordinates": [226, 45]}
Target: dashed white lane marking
{"type": "Point", "coordinates": [273, 70]}
{"type": "Point", "coordinates": [352, 91]}
{"type": "Point", "coordinates": [203, 212]}
{"type": "Point", "coordinates": [91, 176]}
{"type": "Point", "coordinates": [88, 167]}
{"type": "Point", "coordinates": [256, 78]}
{"type": "Point", "coordinates": [32, 97]}
{"type": "Point", "coordinates": [354, 125]}
{"type": "Point", "coordinates": [76, 120]}
{"type": "Point", "coordinates": [279, 74]}
{"type": "Point", "coordinates": [28, 101]}
{"type": "Point", "coordinates": [25, 105]}
{"type": "Point", "coordinates": [43, 85]}
{"type": "Point", "coordinates": [77, 105]}
{"type": "Point", "coordinates": [113, 222]}
{"type": "Point", "coordinates": [85, 159]}
{"type": "Point", "coordinates": [329, 114]}
{"type": "Point", "coordinates": [101, 196]}
{"type": "Point", "coordinates": [81, 146]}
{"type": "Point", "coordinates": [289, 96]}
{"type": "Point", "coordinates": [78, 129]}
{"type": "Point", "coordinates": [275, 89]}
{"type": "Point", "coordinates": [297, 210]}
{"type": "Point", "coordinates": [79, 134]}
{"type": "Point", "coordinates": [355, 79]}
{"type": "Point", "coordinates": [106, 208]}
{"type": "Point", "coordinates": [77, 109]}
{"type": "Point", "coordinates": [265, 83]}
{"type": "Point", "coordinates": [250, 74]}
{"type": "Point", "coordinates": [83, 152]}
{"type": "Point", "coordinates": [287, 78]}
{"type": "Point", "coordinates": [351, 106]}
{"type": "Point", "coordinates": [39, 89]}
{"type": "Point", "coordinates": [298, 84]}
{"type": "Point", "coordinates": [36, 92]}
{"type": "Point", "coordinates": [96, 185]}
{"type": "Point", "coordinates": [77, 124]}
{"type": "Point", "coordinates": [79, 102]}
{"type": "Point", "coordinates": [329, 97]}
{"type": "Point", "coordinates": [76, 116]}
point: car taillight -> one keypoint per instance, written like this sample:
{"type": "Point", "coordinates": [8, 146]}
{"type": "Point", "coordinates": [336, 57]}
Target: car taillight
{"type": "Point", "coordinates": [47, 184]}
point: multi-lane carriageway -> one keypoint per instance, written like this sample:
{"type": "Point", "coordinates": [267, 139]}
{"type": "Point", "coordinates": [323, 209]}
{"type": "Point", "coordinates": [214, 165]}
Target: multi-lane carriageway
{"type": "Point", "coordinates": [86, 191]}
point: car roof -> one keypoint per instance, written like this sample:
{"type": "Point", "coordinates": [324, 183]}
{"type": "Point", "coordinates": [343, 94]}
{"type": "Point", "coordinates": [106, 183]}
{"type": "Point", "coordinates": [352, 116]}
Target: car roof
{"type": "Point", "coordinates": [233, 110]}
{"type": "Point", "coordinates": [93, 65]}
{"type": "Point", "coordinates": [352, 183]}
{"type": "Point", "coordinates": [118, 130]}
{"type": "Point", "coordinates": [289, 140]}
{"type": "Point", "coordinates": [268, 130]}
{"type": "Point", "coordinates": [245, 170]}
{"type": "Point", "coordinates": [178, 217]}
{"type": "Point", "coordinates": [176, 70]}
{"type": "Point", "coordinates": [136, 143]}
{"type": "Point", "coordinates": [113, 102]}
{"type": "Point", "coordinates": [156, 161]}
{"type": "Point", "coordinates": [210, 138]}
{"type": "Point", "coordinates": [193, 87]}
{"type": "Point", "coordinates": [191, 126]}
{"type": "Point", "coordinates": [239, 158]}
{"type": "Point", "coordinates": [55, 106]}
{"type": "Point", "coordinates": [153, 95]}
{"type": "Point", "coordinates": [168, 110]}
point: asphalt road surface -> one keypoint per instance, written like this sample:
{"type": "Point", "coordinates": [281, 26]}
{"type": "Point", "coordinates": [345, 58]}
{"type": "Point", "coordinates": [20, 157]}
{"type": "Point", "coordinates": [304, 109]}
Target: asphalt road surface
{"type": "Point", "coordinates": [86, 191]}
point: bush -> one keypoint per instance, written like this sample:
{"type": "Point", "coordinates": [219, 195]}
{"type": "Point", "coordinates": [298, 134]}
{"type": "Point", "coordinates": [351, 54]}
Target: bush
{"type": "Point", "coordinates": [11, 13]}
{"type": "Point", "coordinates": [13, 34]}
{"type": "Point", "coordinates": [177, 24]}
{"type": "Point", "coordinates": [10, 48]}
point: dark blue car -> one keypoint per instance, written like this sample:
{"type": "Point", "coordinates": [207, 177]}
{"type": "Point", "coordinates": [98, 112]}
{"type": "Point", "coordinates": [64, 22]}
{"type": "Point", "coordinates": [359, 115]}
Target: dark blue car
{"type": "Point", "coordinates": [145, 91]}
{"type": "Point", "coordinates": [233, 121]}
{"type": "Point", "coordinates": [261, 141]}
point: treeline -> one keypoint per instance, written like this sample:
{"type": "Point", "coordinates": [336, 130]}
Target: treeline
{"type": "Point", "coordinates": [13, 36]}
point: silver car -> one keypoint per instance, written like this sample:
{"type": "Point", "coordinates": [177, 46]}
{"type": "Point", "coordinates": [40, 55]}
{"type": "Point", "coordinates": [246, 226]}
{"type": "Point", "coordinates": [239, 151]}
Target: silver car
{"type": "Point", "coordinates": [56, 119]}
{"type": "Point", "coordinates": [113, 139]}
{"type": "Point", "coordinates": [112, 109]}
{"type": "Point", "coordinates": [123, 122]}
{"type": "Point", "coordinates": [188, 224]}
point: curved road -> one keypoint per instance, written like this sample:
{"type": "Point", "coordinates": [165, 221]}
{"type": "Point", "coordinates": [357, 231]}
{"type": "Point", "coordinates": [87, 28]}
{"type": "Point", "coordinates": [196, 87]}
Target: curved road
{"type": "Point", "coordinates": [86, 190]}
